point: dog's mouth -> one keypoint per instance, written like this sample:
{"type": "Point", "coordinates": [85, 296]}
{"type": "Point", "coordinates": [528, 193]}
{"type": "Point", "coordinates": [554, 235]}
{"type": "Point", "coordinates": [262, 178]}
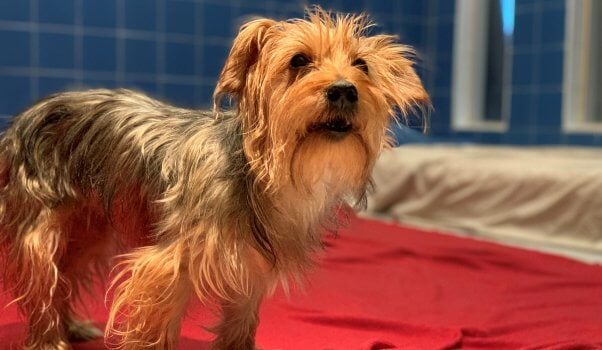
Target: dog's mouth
{"type": "Point", "coordinates": [338, 126]}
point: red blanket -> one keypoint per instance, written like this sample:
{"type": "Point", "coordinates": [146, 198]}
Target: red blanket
{"type": "Point", "coordinates": [382, 286]}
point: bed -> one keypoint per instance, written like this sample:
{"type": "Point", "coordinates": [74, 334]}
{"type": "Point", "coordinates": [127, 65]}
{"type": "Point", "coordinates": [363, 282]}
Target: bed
{"type": "Point", "coordinates": [385, 286]}
{"type": "Point", "coordinates": [545, 198]}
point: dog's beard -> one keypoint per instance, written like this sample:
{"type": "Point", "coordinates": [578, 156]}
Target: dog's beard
{"type": "Point", "coordinates": [336, 160]}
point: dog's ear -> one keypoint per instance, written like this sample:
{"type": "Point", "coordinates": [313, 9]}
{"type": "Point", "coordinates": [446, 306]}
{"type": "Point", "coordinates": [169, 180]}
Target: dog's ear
{"type": "Point", "coordinates": [393, 69]}
{"type": "Point", "coordinates": [244, 53]}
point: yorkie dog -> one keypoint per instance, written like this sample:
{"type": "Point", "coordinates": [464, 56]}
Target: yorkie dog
{"type": "Point", "coordinates": [221, 204]}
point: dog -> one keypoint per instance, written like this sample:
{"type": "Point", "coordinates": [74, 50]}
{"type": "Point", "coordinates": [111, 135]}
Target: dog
{"type": "Point", "coordinates": [223, 205]}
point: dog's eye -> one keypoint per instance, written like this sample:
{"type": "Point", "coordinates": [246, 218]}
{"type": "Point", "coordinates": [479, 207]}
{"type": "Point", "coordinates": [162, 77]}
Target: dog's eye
{"type": "Point", "coordinates": [361, 64]}
{"type": "Point", "coordinates": [299, 60]}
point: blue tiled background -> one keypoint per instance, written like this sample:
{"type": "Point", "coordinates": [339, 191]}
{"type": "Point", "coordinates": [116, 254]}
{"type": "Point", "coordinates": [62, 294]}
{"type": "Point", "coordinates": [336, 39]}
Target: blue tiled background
{"type": "Point", "coordinates": [174, 49]}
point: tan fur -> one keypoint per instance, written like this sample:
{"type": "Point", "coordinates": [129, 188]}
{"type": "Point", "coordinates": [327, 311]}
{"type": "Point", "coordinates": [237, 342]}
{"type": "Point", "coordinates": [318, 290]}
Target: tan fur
{"type": "Point", "coordinates": [218, 204]}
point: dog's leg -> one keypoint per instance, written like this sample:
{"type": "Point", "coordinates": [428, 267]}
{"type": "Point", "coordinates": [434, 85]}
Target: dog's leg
{"type": "Point", "coordinates": [240, 319]}
{"type": "Point", "coordinates": [79, 331]}
{"type": "Point", "coordinates": [149, 304]}
{"type": "Point", "coordinates": [91, 245]}
{"type": "Point", "coordinates": [40, 290]}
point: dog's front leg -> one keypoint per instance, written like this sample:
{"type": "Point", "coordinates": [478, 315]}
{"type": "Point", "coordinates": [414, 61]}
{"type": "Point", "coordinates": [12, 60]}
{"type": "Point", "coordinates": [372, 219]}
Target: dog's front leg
{"type": "Point", "coordinates": [150, 300]}
{"type": "Point", "coordinates": [240, 318]}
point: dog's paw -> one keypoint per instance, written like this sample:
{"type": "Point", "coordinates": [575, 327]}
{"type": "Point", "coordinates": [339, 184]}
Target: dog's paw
{"type": "Point", "coordinates": [233, 346]}
{"type": "Point", "coordinates": [83, 331]}
{"type": "Point", "coordinates": [61, 345]}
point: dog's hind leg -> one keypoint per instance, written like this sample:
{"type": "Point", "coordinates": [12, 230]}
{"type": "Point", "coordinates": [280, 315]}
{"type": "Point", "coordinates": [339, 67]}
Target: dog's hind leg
{"type": "Point", "coordinates": [40, 289]}
{"type": "Point", "coordinates": [89, 249]}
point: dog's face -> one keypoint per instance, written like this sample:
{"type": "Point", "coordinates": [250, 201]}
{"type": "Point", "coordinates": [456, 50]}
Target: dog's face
{"type": "Point", "coordinates": [316, 97]}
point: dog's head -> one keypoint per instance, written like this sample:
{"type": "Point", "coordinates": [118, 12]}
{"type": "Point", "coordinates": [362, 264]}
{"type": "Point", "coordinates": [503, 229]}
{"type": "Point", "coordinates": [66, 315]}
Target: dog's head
{"type": "Point", "coordinates": [316, 96]}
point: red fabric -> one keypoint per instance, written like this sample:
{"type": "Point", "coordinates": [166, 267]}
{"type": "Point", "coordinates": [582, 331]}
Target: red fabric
{"type": "Point", "coordinates": [382, 286]}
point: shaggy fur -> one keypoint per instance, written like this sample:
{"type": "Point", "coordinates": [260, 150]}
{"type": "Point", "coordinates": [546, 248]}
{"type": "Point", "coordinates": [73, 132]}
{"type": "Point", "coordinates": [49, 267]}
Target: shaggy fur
{"type": "Point", "coordinates": [222, 205]}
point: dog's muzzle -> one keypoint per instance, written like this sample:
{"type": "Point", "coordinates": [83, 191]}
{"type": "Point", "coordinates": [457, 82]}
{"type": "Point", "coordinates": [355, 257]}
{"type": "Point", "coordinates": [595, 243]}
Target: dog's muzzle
{"type": "Point", "coordinates": [337, 126]}
{"type": "Point", "coordinates": [342, 100]}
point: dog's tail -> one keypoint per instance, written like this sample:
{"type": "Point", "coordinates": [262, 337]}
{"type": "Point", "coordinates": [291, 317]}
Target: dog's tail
{"type": "Point", "coordinates": [21, 177]}
{"type": "Point", "coordinates": [4, 180]}
{"type": "Point", "coordinates": [15, 205]}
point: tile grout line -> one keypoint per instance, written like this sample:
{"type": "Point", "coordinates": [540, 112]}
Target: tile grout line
{"type": "Point", "coordinates": [111, 32]}
{"type": "Point", "coordinates": [120, 43]}
{"type": "Point", "coordinates": [199, 48]}
{"type": "Point", "coordinates": [535, 74]}
{"type": "Point", "coordinates": [34, 51]}
{"type": "Point", "coordinates": [78, 46]}
{"type": "Point", "coordinates": [160, 39]}
{"type": "Point", "coordinates": [67, 73]}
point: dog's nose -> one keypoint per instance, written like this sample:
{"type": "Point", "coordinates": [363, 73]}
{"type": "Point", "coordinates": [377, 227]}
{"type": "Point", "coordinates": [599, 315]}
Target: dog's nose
{"type": "Point", "coordinates": [342, 93]}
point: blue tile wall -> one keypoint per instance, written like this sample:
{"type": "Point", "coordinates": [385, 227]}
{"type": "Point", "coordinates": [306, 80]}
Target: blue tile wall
{"type": "Point", "coordinates": [99, 53]}
{"type": "Point", "coordinates": [213, 58]}
{"type": "Point", "coordinates": [174, 49]}
{"type": "Point", "coordinates": [15, 92]}
{"type": "Point", "coordinates": [56, 50]}
{"type": "Point", "coordinates": [14, 10]}
{"type": "Point", "coordinates": [140, 56]}
{"type": "Point", "coordinates": [17, 43]}
{"type": "Point", "coordinates": [171, 49]}
{"type": "Point", "coordinates": [48, 85]}
{"type": "Point", "coordinates": [179, 17]}
{"type": "Point", "coordinates": [140, 14]}
{"type": "Point", "coordinates": [213, 27]}
{"type": "Point", "coordinates": [179, 59]}
{"type": "Point", "coordinates": [99, 13]}
{"type": "Point", "coordinates": [56, 11]}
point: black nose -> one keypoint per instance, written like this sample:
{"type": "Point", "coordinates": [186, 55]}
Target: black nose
{"type": "Point", "coordinates": [342, 93]}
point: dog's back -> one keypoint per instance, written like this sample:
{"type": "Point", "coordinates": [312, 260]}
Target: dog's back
{"type": "Point", "coordinates": [78, 139]}
{"type": "Point", "coordinates": [96, 142]}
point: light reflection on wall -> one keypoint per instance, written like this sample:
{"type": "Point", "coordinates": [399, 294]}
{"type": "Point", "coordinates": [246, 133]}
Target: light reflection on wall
{"type": "Point", "coordinates": [507, 16]}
